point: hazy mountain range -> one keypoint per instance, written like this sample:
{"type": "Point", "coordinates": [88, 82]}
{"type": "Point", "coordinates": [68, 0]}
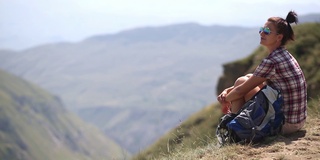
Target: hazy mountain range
{"type": "Point", "coordinates": [34, 125]}
{"type": "Point", "coordinates": [137, 84]}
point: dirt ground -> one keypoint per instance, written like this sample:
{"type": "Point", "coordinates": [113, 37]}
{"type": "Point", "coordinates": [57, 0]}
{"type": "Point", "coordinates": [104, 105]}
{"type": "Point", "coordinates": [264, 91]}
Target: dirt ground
{"type": "Point", "coordinates": [304, 144]}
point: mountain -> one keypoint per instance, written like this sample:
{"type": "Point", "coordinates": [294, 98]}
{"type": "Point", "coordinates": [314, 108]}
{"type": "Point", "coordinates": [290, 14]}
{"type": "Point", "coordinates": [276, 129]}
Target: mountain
{"type": "Point", "coordinates": [142, 79]}
{"type": "Point", "coordinates": [198, 130]}
{"type": "Point", "coordinates": [315, 18]}
{"type": "Point", "coordinates": [34, 125]}
{"type": "Point", "coordinates": [138, 80]}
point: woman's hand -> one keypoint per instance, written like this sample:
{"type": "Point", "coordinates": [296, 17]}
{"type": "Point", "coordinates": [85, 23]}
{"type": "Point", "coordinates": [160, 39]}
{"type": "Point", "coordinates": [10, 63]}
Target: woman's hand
{"type": "Point", "coordinates": [222, 97]}
{"type": "Point", "coordinates": [224, 104]}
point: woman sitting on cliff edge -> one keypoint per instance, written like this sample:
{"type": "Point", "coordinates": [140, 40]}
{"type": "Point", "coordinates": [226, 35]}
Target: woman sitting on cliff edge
{"type": "Point", "coordinates": [280, 70]}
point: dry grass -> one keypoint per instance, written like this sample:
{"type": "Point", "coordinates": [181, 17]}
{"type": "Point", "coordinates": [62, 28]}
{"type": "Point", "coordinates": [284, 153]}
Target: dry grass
{"type": "Point", "coordinates": [304, 144]}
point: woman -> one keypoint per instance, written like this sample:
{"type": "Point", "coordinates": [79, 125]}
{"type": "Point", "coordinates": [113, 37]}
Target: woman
{"type": "Point", "coordinates": [280, 70]}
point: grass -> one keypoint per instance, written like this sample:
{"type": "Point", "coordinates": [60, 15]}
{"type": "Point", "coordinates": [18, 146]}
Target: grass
{"type": "Point", "coordinates": [304, 144]}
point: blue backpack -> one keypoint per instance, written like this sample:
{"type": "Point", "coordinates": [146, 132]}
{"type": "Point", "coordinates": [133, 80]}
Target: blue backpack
{"type": "Point", "coordinates": [258, 118]}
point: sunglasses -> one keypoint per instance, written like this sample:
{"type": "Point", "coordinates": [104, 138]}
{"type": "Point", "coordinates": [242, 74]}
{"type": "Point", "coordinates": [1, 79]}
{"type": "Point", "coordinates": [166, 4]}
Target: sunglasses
{"type": "Point", "coordinates": [265, 30]}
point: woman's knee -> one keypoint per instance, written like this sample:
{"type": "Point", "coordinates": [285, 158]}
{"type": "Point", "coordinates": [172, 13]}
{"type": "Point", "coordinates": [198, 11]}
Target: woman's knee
{"type": "Point", "coordinates": [240, 80]}
{"type": "Point", "coordinates": [251, 93]}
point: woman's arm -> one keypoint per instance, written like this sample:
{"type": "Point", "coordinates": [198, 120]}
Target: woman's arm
{"type": "Point", "coordinates": [223, 94]}
{"type": "Point", "coordinates": [241, 90]}
{"type": "Point", "coordinates": [225, 104]}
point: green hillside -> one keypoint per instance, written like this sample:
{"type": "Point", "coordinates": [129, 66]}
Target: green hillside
{"type": "Point", "coordinates": [34, 125]}
{"type": "Point", "coordinates": [199, 130]}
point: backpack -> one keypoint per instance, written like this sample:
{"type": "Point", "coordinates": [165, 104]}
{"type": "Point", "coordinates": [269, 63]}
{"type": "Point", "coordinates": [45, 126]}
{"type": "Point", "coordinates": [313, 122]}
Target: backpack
{"type": "Point", "coordinates": [259, 117]}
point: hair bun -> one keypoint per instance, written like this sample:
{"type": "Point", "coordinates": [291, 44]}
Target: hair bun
{"type": "Point", "coordinates": [292, 17]}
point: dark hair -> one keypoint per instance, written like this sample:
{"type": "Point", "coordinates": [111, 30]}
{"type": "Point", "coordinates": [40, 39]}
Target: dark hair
{"type": "Point", "coordinates": [283, 26]}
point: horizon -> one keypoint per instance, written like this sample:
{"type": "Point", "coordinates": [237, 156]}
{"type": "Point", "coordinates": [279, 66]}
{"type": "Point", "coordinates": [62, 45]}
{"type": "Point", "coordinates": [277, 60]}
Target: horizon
{"type": "Point", "coordinates": [25, 24]}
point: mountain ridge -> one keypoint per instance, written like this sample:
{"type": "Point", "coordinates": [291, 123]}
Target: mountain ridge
{"type": "Point", "coordinates": [34, 125]}
{"type": "Point", "coordinates": [157, 34]}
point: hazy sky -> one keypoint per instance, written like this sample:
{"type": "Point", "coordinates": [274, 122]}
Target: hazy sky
{"type": "Point", "coordinates": [26, 23]}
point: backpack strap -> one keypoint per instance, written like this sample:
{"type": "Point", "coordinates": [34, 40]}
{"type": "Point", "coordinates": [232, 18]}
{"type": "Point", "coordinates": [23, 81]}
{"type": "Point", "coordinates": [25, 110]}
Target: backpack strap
{"type": "Point", "coordinates": [272, 96]}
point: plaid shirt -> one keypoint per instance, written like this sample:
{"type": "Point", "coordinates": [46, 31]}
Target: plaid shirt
{"type": "Point", "coordinates": [283, 72]}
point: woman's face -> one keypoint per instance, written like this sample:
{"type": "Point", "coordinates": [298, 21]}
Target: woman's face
{"type": "Point", "coordinates": [269, 36]}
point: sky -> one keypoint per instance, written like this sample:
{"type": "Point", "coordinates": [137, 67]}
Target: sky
{"type": "Point", "coordinates": [28, 23]}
